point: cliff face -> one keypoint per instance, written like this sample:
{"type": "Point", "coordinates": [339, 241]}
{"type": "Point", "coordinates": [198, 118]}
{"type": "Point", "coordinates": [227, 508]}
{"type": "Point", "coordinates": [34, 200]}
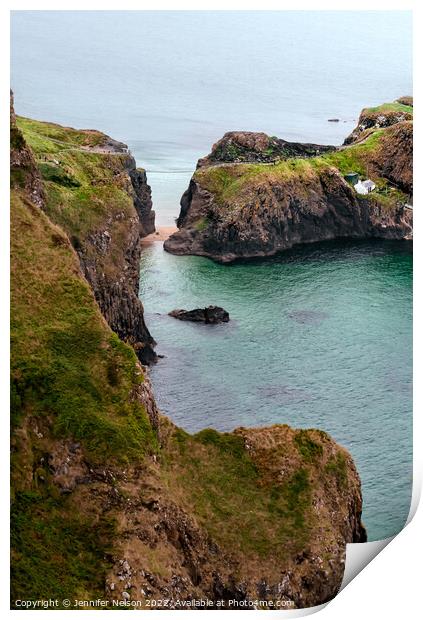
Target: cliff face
{"type": "Point", "coordinates": [24, 173]}
{"type": "Point", "coordinates": [242, 210]}
{"type": "Point", "coordinates": [95, 192]}
{"type": "Point", "coordinates": [393, 160]}
{"type": "Point", "coordinates": [151, 511]}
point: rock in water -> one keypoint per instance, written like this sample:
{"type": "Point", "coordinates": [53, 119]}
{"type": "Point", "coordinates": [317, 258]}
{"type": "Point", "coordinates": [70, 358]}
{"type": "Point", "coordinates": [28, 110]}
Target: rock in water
{"type": "Point", "coordinates": [211, 314]}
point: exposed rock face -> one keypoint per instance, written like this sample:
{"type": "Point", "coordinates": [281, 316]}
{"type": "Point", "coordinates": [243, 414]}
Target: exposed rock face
{"type": "Point", "coordinates": [211, 314]}
{"type": "Point", "coordinates": [117, 295]}
{"type": "Point", "coordinates": [407, 100]}
{"type": "Point", "coordinates": [24, 173]}
{"type": "Point", "coordinates": [142, 200]}
{"type": "Point", "coordinates": [281, 215]}
{"type": "Point", "coordinates": [243, 210]}
{"type": "Point", "coordinates": [379, 118]}
{"type": "Point", "coordinates": [248, 146]}
{"type": "Point", "coordinates": [393, 160]}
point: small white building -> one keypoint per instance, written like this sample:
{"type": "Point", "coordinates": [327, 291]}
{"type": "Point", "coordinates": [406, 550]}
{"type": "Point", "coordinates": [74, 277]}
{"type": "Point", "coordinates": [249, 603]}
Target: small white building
{"type": "Point", "coordinates": [364, 187]}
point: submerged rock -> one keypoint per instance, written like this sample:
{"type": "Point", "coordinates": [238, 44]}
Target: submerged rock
{"type": "Point", "coordinates": [211, 314]}
{"type": "Point", "coordinates": [308, 317]}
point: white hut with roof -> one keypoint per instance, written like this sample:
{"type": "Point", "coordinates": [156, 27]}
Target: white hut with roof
{"type": "Point", "coordinates": [365, 187]}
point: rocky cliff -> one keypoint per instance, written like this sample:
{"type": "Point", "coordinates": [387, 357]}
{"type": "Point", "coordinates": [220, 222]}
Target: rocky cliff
{"type": "Point", "coordinates": [248, 146]}
{"type": "Point", "coordinates": [111, 500]}
{"type": "Point", "coordinates": [242, 210]}
{"type": "Point", "coordinates": [23, 170]}
{"type": "Point", "coordinates": [103, 202]}
{"type": "Point", "coordinates": [393, 159]}
{"type": "Point", "coordinates": [382, 116]}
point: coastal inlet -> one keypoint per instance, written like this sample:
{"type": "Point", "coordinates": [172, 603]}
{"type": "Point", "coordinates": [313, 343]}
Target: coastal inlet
{"type": "Point", "coordinates": [319, 336]}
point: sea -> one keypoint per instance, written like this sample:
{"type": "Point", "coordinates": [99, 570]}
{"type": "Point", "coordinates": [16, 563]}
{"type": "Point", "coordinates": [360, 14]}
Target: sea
{"type": "Point", "coordinates": [320, 336]}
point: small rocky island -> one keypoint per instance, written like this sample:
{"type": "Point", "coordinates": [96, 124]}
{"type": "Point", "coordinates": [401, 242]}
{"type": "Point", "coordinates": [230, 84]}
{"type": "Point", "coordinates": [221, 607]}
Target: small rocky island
{"type": "Point", "coordinates": [256, 195]}
{"type": "Point", "coordinates": [210, 315]}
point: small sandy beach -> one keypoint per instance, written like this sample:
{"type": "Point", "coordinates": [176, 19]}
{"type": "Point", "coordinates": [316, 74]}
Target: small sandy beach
{"type": "Point", "coordinates": [161, 234]}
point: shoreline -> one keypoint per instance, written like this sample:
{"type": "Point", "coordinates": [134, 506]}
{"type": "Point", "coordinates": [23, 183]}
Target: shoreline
{"type": "Point", "coordinates": [160, 234]}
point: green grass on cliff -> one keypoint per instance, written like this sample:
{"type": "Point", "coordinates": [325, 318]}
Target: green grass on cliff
{"type": "Point", "coordinates": [50, 137]}
{"type": "Point", "coordinates": [84, 189]}
{"type": "Point", "coordinates": [73, 378]}
{"type": "Point", "coordinates": [67, 365]}
{"type": "Point", "coordinates": [57, 550]}
{"type": "Point", "coordinates": [394, 106]}
{"type": "Point", "coordinates": [234, 185]}
{"type": "Point", "coordinates": [240, 509]}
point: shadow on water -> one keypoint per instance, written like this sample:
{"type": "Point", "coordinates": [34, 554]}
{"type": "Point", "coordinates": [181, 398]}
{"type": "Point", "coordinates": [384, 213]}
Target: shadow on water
{"type": "Point", "coordinates": [334, 249]}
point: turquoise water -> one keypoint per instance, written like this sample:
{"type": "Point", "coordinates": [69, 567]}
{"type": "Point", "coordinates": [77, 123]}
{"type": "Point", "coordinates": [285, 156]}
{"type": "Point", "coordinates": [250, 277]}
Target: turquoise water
{"type": "Point", "coordinates": [318, 337]}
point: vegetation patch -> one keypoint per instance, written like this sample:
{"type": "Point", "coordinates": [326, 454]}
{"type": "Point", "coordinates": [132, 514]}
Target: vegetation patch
{"type": "Point", "coordinates": [234, 185]}
{"type": "Point", "coordinates": [84, 189]}
{"type": "Point", "coordinates": [395, 106]}
{"type": "Point", "coordinates": [66, 362]}
{"type": "Point", "coordinates": [202, 224]}
{"type": "Point", "coordinates": [291, 502]}
{"type": "Point", "coordinates": [220, 483]}
{"type": "Point", "coordinates": [38, 133]}
{"type": "Point", "coordinates": [337, 467]}
{"type": "Point", "coordinates": [309, 449]}
{"type": "Point", "coordinates": [58, 551]}
{"type": "Point", "coordinates": [57, 175]}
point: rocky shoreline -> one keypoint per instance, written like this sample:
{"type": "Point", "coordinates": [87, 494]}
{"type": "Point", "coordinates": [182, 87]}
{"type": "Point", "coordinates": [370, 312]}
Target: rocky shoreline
{"type": "Point", "coordinates": [265, 201]}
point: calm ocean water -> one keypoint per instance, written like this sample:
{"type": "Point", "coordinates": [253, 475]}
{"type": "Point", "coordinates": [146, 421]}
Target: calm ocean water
{"type": "Point", "coordinates": [321, 336]}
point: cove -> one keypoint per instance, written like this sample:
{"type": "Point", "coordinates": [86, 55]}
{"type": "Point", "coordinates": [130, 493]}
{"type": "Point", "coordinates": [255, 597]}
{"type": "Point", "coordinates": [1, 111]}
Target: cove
{"type": "Point", "coordinates": [320, 336]}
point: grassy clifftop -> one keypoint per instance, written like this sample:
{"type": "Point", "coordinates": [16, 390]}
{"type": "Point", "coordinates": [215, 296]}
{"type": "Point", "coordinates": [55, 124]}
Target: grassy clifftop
{"type": "Point", "coordinates": [233, 185]}
{"type": "Point", "coordinates": [84, 174]}
{"type": "Point", "coordinates": [95, 193]}
{"type": "Point", "coordinates": [382, 116]}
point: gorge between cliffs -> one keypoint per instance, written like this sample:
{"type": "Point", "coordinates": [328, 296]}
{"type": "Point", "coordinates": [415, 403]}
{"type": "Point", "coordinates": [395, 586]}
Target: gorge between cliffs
{"type": "Point", "coordinates": [157, 504]}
